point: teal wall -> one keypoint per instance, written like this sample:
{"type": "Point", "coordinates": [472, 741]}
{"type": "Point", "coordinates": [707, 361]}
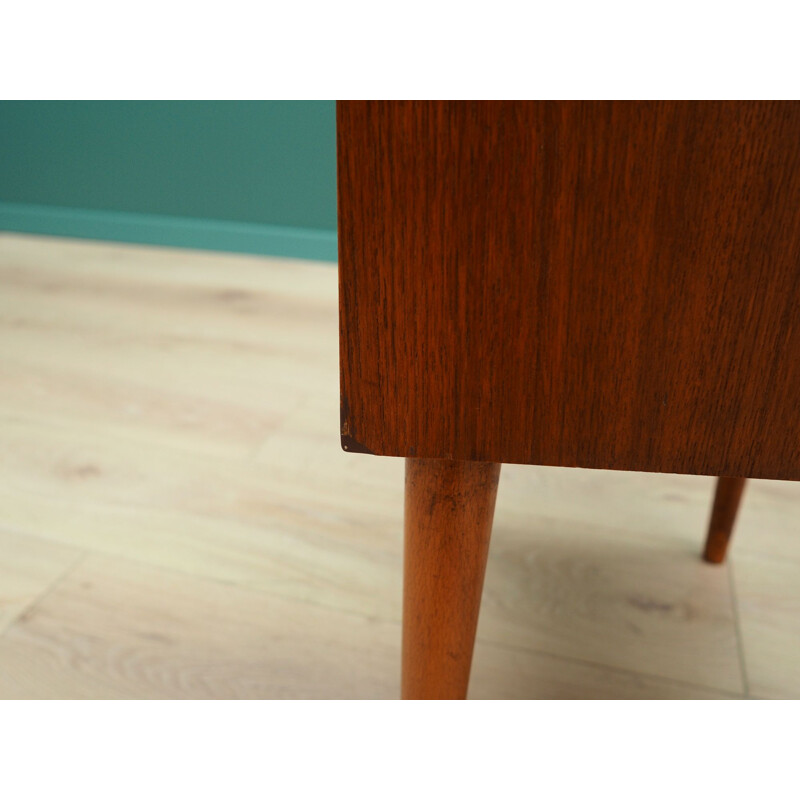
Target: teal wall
{"type": "Point", "coordinates": [244, 176]}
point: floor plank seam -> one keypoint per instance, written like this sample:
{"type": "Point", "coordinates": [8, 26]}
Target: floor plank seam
{"type": "Point", "coordinates": [45, 593]}
{"type": "Point", "coordinates": [738, 629]}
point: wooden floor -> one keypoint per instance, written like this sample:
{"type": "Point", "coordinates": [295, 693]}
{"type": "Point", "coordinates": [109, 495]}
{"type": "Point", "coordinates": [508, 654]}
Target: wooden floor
{"type": "Point", "coordinates": [177, 519]}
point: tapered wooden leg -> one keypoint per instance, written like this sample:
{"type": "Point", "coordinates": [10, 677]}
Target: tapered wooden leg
{"type": "Point", "coordinates": [723, 516]}
{"type": "Point", "coordinates": [448, 522]}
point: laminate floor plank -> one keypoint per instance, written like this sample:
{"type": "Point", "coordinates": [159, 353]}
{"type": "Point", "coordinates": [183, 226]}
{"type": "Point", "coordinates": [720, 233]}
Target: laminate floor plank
{"type": "Point", "coordinates": [169, 423]}
{"type": "Point", "coordinates": [114, 629]}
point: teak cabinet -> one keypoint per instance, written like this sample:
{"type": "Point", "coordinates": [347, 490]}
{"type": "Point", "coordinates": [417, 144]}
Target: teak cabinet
{"type": "Point", "coordinates": [612, 285]}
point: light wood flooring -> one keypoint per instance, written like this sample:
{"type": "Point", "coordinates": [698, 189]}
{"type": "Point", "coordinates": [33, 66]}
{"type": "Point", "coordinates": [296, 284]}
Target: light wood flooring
{"type": "Point", "coordinates": [177, 518]}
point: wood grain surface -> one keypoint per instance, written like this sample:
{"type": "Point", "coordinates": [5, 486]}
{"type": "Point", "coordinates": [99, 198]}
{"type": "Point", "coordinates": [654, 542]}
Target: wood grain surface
{"type": "Point", "coordinates": [599, 284]}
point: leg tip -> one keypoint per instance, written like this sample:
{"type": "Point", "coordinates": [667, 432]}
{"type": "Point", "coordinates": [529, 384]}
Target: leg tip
{"type": "Point", "coordinates": [714, 558]}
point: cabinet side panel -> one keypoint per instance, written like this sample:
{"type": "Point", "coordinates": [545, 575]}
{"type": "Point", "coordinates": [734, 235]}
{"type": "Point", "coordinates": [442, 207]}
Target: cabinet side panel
{"type": "Point", "coordinates": [611, 285]}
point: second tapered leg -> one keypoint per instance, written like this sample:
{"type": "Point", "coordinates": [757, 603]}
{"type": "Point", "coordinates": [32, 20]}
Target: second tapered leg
{"type": "Point", "coordinates": [727, 497]}
{"type": "Point", "coordinates": [448, 522]}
